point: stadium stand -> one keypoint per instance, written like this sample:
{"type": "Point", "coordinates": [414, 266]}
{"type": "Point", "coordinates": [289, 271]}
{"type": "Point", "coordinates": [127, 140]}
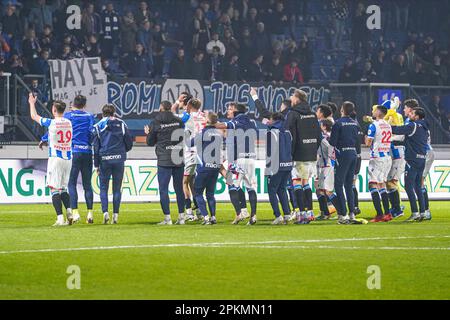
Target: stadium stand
{"type": "Point", "coordinates": [291, 41]}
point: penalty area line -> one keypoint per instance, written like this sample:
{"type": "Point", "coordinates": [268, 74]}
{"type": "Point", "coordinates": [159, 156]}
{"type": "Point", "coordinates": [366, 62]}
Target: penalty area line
{"type": "Point", "coordinates": [256, 244]}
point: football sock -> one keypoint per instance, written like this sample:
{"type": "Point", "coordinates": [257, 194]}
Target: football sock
{"type": "Point", "coordinates": [394, 197]}
{"type": "Point", "coordinates": [253, 199]}
{"type": "Point", "coordinates": [355, 193]}
{"type": "Point", "coordinates": [298, 190]}
{"type": "Point", "coordinates": [425, 197]}
{"type": "Point", "coordinates": [334, 201]}
{"type": "Point", "coordinates": [385, 199]}
{"type": "Point", "coordinates": [307, 192]}
{"type": "Point", "coordinates": [188, 203]}
{"type": "Point", "coordinates": [242, 199]}
{"type": "Point", "coordinates": [292, 198]}
{"type": "Point", "coordinates": [57, 203]}
{"type": "Point", "coordinates": [323, 204]}
{"type": "Point", "coordinates": [376, 201]}
{"type": "Point", "coordinates": [65, 198]}
{"type": "Point", "coordinates": [234, 198]}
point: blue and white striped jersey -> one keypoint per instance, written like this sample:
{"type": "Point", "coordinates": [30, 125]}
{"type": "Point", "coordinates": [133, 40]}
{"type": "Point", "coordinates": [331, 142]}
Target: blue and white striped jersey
{"type": "Point", "coordinates": [59, 137]}
{"type": "Point", "coordinates": [381, 133]}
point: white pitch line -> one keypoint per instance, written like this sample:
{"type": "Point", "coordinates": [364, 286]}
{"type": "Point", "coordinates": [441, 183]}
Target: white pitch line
{"type": "Point", "coordinates": [256, 244]}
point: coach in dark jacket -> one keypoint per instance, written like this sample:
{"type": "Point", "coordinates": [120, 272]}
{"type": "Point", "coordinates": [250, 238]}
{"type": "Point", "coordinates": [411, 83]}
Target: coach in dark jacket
{"type": "Point", "coordinates": [166, 132]}
{"type": "Point", "coordinates": [304, 126]}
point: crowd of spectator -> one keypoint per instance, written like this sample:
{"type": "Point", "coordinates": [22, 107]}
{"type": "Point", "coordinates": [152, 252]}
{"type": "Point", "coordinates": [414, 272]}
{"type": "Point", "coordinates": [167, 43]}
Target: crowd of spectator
{"type": "Point", "coordinates": [223, 39]}
{"type": "Point", "coordinates": [220, 40]}
{"type": "Point", "coordinates": [420, 60]}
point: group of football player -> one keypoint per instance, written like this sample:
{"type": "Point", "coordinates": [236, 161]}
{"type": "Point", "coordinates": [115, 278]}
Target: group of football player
{"type": "Point", "coordinates": [300, 144]}
{"type": "Point", "coordinates": [194, 149]}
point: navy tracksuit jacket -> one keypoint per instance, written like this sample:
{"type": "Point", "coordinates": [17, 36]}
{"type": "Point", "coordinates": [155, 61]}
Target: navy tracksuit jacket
{"type": "Point", "coordinates": [345, 139]}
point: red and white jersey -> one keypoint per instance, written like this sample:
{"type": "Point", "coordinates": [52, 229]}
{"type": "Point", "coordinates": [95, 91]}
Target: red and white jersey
{"type": "Point", "coordinates": [194, 125]}
{"type": "Point", "coordinates": [381, 133]}
{"type": "Point", "coordinates": [59, 137]}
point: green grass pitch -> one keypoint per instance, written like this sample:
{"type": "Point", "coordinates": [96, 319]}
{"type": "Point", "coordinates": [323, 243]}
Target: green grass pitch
{"type": "Point", "coordinates": [139, 260]}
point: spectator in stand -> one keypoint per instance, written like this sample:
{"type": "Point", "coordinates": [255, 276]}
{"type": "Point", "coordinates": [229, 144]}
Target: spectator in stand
{"type": "Point", "coordinates": [91, 22]}
{"type": "Point", "coordinates": [215, 42]}
{"type": "Point", "coordinates": [349, 73]}
{"type": "Point", "coordinates": [112, 70]}
{"type": "Point", "coordinates": [110, 30]}
{"type": "Point", "coordinates": [70, 41]}
{"type": "Point", "coordinates": [216, 73]}
{"type": "Point", "coordinates": [92, 47]}
{"type": "Point", "coordinates": [16, 66]}
{"type": "Point", "coordinates": [262, 41]}
{"type": "Point", "coordinates": [368, 74]}
{"type": "Point", "coordinates": [279, 23]}
{"type": "Point", "coordinates": [201, 30]}
{"type": "Point", "coordinates": [360, 32]}
{"type": "Point", "coordinates": [4, 46]}
{"type": "Point", "coordinates": [428, 49]}
{"type": "Point", "coordinates": [411, 57]}
{"type": "Point", "coordinates": [159, 42]}
{"type": "Point", "coordinates": [232, 70]}
{"type": "Point", "coordinates": [255, 71]}
{"type": "Point", "coordinates": [275, 71]}
{"type": "Point", "coordinates": [247, 45]}
{"type": "Point", "coordinates": [224, 24]}
{"type": "Point", "coordinates": [178, 66]}
{"type": "Point", "coordinates": [48, 40]}
{"type": "Point", "coordinates": [12, 26]}
{"type": "Point", "coordinates": [379, 65]}
{"type": "Point", "coordinates": [143, 13]}
{"type": "Point", "coordinates": [231, 44]}
{"type": "Point", "coordinates": [40, 15]}
{"type": "Point", "coordinates": [138, 64]}
{"type": "Point", "coordinates": [399, 70]}
{"type": "Point", "coordinates": [291, 52]}
{"type": "Point", "coordinates": [340, 16]}
{"type": "Point", "coordinates": [40, 64]}
{"type": "Point", "coordinates": [145, 37]}
{"type": "Point", "coordinates": [438, 72]}
{"type": "Point", "coordinates": [128, 34]}
{"type": "Point", "coordinates": [236, 22]}
{"type": "Point", "coordinates": [252, 20]}
{"type": "Point", "coordinates": [30, 46]}
{"type": "Point", "coordinates": [208, 13]}
{"type": "Point", "coordinates": [197, 67]}
{"type": "Point", "coordinates": [292, 73]}
{"type": "Point", "coordinates": [66, 53]}
{"type": "Point", "coordinates": [418, 76]}
{"type": "Point", "coordinates": [441, 112]}
{"type": "Point", "coordinates": [305, 59]}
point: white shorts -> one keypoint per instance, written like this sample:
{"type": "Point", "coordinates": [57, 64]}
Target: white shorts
{"type": "Point", "coordinates": [379, 169]}
{"type": "Point", "coordinates": [429, 162]}
{"type": "Point", "coordinates": [190, 165]}
{"type": "Point", "coordinates": [245, 175]}
{"type": "Point", "coordinates": [397, 169]}
{"type": "Point", "coordinates": [58, 173]}
{"type": "Point", "coordinates": [304, 170]}
{"type": "Point", "coordinates": [326, 179]}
